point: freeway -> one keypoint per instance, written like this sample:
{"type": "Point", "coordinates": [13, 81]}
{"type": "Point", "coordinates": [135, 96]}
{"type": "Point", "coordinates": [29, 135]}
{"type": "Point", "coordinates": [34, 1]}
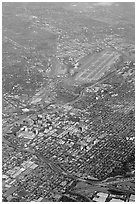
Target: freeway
{"type": "Point", "coordinates": [121, 180]}
{"type": "Point", "coordinates": [82, 93]}
{"type": "Point", "coordinates": [59, 170]}
{"type": "Point", "coordinates": [48, 162]}
{"type": "Point", "coordinates": [8, 101]}
{"type": "Point", "coordinates": [6, 39]}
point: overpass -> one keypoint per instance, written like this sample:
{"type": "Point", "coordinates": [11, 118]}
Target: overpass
{"type": "Point", "coordinates": [49, 163]}
{"type": "Point", "coordinates": [59, 170]}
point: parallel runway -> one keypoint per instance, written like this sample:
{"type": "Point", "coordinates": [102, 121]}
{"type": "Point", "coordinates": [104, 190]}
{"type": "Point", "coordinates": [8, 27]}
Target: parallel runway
{"type": "Point", "coordinates": [100, 66]}
{"type": "Point", "coordinates": [105, 67]}
{"type": "Point", "coordinates": [96, 65]}
{"type": "Point", "coordinates": [91, 62]}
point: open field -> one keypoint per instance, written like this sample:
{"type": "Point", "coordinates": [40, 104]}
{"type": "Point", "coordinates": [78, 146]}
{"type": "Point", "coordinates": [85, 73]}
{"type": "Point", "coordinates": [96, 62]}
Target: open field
{"type": "Point", "coordinates": [92, 69]}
